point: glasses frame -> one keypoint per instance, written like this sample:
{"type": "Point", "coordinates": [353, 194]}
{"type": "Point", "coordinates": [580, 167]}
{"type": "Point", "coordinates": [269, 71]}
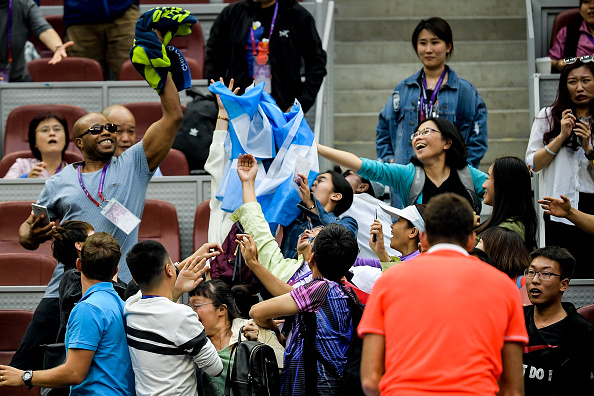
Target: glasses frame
{"type": "Point", "coordinates": [97, 129]}
{"type": "Point", "coordinates": [196, 306]}
{"type": "Point", "coordinates": [583, 59]}
{"type": "Point", "coordinates": [422, 132]}
{"type": "Point", "coordinates": [57, 129]}
{"type": "Point", "coordinates": [541, 274]}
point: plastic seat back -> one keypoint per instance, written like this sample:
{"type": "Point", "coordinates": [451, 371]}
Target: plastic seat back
{"type": "Point", "coordinates": [9, 159]}
{"type": "Point", "coordinates": [175, 164]}
{"type": "Point", "coordinates": [159, 223]}
{"type": "Point", "coordinates": [201, 219]}
{"type": "Point", "coordinates": [69, 69]}
{"type": "Point", "coordinates": [13, 214]}
{"type": "Point", "coordinates": [128, 72]}
{"type": "Point", "coordinates": [587, 312]}
{"type": "Point", "coordinates": [13, 323]}
{"type": "Point", "coordinates": [561, 20]}
{"type": "Point", "coordinates": [26, 269]}
{"type": "Point", "coordinates": [145, 114]}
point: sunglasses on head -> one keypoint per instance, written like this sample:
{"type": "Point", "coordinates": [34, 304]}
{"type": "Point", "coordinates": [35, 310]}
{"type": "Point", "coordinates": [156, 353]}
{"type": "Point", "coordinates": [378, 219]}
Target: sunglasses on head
{"type": "Point", "coordinates": [97, 129]}
{"type": "Point", "coordinates": [583, 59]}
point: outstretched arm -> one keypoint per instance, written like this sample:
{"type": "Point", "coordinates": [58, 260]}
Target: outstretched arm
{"type": "Point", "coordinates": [247, 169]}
{"type": "Point", "coordinates": [51, 39]}
{"type": "Point", "coordinates": [561, 207]}
{"type": "Point", "coordinates": [340, 157]}
{"type": "Point", "coordinates": [159, 137]}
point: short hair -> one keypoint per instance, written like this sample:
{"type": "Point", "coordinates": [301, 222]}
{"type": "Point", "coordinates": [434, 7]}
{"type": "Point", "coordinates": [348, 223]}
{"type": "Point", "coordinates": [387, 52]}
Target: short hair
{"type": "Point", "coordinates": [363, 181]}
{"type": "Point", "coordinates": [46, 115]}
{"type": "Point", "coordinates": [100, 256]}
{"type": "Point", "coordinates": [343, 187]}
{"type": "Point", "coordinates": [439, 27]}
{"type": "Point", "coordinates": [448, 218]}
{"type": "Point", "coordinates": [220, 293]}
{"type": "Point", "coordinates": [457, 154]}
{"type": "Point", "coordinates": [146, 262]}
{"type": "Point", "coordinates": [507, 249]}
{"type": "Point", "coordinates": [335, 251]}
{"type": "Point", "coordinates": [561, 255]}
{"type": "Point", "coordinates": [65, 236]}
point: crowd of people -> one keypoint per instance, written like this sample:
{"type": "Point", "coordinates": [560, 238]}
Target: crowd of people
{"type": "Point", "coordinates": [443, 303]}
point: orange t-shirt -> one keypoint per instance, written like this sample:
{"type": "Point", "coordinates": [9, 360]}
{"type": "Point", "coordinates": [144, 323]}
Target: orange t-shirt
{"type": "Point", "coordinates": [445, 317]}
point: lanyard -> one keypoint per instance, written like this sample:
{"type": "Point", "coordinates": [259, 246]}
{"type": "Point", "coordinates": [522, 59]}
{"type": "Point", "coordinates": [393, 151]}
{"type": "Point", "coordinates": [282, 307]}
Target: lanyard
{"type": "Point", "coordinates": [427, 108]}
{"type": "Point", "coordinates": [60, 167]}
{"type": "Point", "coordinates": [254, 52]}
{"type": "Point", "coordinates": [101, 183]}
{"type": "Point", "coordinates": [9, 30]}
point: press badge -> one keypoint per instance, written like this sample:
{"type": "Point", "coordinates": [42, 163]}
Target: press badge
{"type": "Point", "coordinates": [120, 216]}
{"type": "Point", "coordinates": [262, 66]}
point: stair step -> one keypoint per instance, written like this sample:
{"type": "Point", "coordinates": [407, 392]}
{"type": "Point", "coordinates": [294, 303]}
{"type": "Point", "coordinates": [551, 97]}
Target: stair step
{"type": "Point", "coordinates": [401, 28]}
{"type": "Point", "coordinates": [501, 124]}
{"type": "Point", "coordinates": [367, 101]}
{"type": "Point", "coordinates": [383, 76]}
{"type": "Point", "coordinates": [416, 10]}
{"type": "Point", "coordinates": [401, 51]}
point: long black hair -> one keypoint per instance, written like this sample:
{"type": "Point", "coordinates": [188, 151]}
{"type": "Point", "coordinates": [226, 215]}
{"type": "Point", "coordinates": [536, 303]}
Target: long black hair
{"type": "Point", "coordinates": [512, 198]}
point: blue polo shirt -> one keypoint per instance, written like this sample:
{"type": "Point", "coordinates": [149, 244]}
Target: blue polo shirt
{"type": "Point", "coordinates": [97, 324]}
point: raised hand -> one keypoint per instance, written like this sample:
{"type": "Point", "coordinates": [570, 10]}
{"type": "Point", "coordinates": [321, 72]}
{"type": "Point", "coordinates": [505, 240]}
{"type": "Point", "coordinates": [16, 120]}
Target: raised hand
{"type": "Point", "coordinates": [247, 167]}
{"type": "Point", "coordinates": [249, 250]}
{"type": "Point", "coordinates": [36, 171]}
{"type": "Point", "coordinates": [559, 207]}
{"type": "Point", "coordinates": [378, 246]}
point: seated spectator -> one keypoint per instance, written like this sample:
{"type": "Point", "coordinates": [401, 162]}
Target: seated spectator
{"type": "Point", "coordinates": [508, 190]}
{"type": "Point", "coordinates": [558, 358]}
{"type": "Point", "coordinates": [576, 39]}
{"type": "Point", "coordinates": [215, 303]}
{"type": "Point", "coordinates": [126, 133]}
{"type": "Point", "coordinates": [406, 229]}
{"type": "Point", "coordinates": [561, 207]}
{"type": "Point", "coordinates": [48, 140]}
{"type": "Point", "coordinates": [334, 252]}
{"type": "Point", "coordinates": [167, 341]}
{"type": "Point", "coordinates": [26, 17]}
{"type": "Point", "coordinates": [439, 166]}
{"type": "Point", "coordinates": [97, 360]}
{"type": "Point", "coordinates": [507, 251]}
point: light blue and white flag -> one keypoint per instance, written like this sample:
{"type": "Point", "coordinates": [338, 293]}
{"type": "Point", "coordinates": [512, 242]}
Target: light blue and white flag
{"type": "Point", "coordinates": [259, 127]}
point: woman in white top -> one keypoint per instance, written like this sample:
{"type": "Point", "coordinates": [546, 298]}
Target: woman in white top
{"type": "Point", "coordinates": [561, 146]}
{"type": "Point", "coordinates": [48, 140]}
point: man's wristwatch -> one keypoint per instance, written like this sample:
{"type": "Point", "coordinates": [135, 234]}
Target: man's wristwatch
{"type": "Point", "coordinates": [27, 377]}
{"type": "Point", "coordinates": [590, 155]}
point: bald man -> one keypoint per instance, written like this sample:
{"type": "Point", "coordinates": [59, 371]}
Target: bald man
{"type": "Point", "coordinates": [106, 191]}
{"type": "Point", "coordinates": [126, 134]}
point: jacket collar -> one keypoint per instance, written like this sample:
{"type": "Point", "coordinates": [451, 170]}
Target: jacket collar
{"type": "Point", "coordinates": [452, 82]}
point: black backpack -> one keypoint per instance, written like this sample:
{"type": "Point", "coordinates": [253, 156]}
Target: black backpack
{"type": "Point", "coordinates": [350, 381]}
{"type": "Point", "coordinates": [255, 371]}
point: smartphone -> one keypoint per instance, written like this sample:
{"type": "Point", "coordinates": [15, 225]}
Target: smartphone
{"type": "Point", "coordinates": [585, 121]}
{"type": "Point", "coordinates": [39, 210]}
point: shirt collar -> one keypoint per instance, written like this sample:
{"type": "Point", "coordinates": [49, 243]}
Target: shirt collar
{"type": "Point", "coordinates": [98, 287]}
{"type": "Point", "coordinates": [447, 246]}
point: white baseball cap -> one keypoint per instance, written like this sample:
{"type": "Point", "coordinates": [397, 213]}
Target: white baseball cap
{"type": "Point", "coordinates": [410, 213]}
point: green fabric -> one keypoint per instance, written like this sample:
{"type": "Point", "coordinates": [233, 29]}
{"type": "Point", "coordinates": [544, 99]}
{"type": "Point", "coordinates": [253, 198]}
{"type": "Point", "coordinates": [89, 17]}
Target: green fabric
{"type": "Point", "coordinates": [393, 260]}
{"type": "Point", "coordinates": [215, 386]}
{"type": "Point", "coordinates": [511, 224]}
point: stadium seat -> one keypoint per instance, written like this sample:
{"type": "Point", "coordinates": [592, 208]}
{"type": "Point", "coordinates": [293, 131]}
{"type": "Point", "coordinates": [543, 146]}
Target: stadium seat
{"type": "Point", "coordinates": [192, 46]}
{"type": "Point", "coordinates": [26, 269]}
{"type": "Point", "coordinates": [69, 69]}
{"type": "Point", "coordinates": [128, 72]}
{"type": "Point", "coordinates": [57, 22]}
{"type": "Point", "coordinates": [16, 133]}
{"type": "Point", "coordinates": [587, 312]}
{"type": "Point", "coordinates": [159, 223]}
{"type": "Point", "coordinates": [175, 164]}
{"type": "Point", "coordinates": [562, 20]}
{"type": "Point", "coordinates": [145, 114]}
{"type": "Point", "coordinates": [201, 219]}
{"type": "Point", "coordinates": [10, 159]}
{"type": "Point", "coordinates": [13, 214]}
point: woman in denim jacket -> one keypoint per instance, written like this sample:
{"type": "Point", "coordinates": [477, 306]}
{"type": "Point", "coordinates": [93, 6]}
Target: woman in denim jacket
{"type": "Point", "coordinates": [414, 99]}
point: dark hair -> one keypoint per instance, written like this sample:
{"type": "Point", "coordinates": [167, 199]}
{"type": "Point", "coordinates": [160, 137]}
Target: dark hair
{"type": "Point", "coordinates": [457, 154]}
{"type": "Point", "coordinates": [437, 26]}
{"type": "Point", "coordinates": [220, 294]}
{"type": "Point", "coordinates": [507, 249]}
{"type": "Point", "coordinates": [512, 198]}
{"type": "Point", "coordinates": [146, 261]}
{"type": "Point", "coordinates": [560, 255]}
{"type": "Point", "coordinates": [100, 256]}
{"type": "Point", "coordinates": [65, 236]}
{"type": "Point", "coordinates": [448, 218]}
{"type": "Point", "coordinates": [363, 181]}
{"type": "Point", "coordinates": [341, 186]}
{"type": "Point", "coordinates": [46, 115]}
{"type": "Point", "coordinates": [335, 250]}
{"type": "Point", "coordinates": [564, 102]}
{"type": "Point", "coordinates": [481, 255]}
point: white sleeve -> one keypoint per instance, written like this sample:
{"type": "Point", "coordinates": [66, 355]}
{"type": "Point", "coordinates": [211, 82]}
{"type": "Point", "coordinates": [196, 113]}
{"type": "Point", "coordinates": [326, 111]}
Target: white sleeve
{"type": "Point", "coordinates": [540, 126]}
{"type": "Point", "coordinates": [191, 337]}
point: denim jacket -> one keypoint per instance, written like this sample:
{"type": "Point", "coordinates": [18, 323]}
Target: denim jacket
{"type": "Point", "coordinates": [459, 102]}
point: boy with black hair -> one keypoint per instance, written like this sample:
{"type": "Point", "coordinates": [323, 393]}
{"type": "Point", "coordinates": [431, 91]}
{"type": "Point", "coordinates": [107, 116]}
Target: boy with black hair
{"type": "Point", "coordinates": [167, 342]}
{"type": "Point", "coordinates": [558, 358]}
{"type": "Point", "coordinates": [334, 252]}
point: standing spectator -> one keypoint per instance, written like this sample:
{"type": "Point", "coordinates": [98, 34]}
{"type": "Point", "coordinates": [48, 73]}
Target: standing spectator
{"type": "Point", "coordinates": [558, 358]}
{"type": "Point", "coordinates": [443, 322]}
{"type": "Point", "coordinates": [25, 16]}
{"type": "Point", "coordinates": [101, 30]}
{"type": "Point", "coordinates": [435, 91]}
{"type": "Point", "coordinates": [560, 147]}
{"type": "Point", "coordinates": [273, 37]}
{"type": "Point", "coordinates": [575, 39]}
{"type": "Point", "coordinates": [97, 360]}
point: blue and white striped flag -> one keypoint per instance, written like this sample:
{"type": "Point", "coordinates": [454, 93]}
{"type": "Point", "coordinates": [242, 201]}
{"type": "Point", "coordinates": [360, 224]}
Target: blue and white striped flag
{"type": "Point", "coordinates": [259, 127]}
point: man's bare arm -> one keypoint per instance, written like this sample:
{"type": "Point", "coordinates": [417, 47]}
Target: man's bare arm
{"type": "Point", "coordinates": [511, 382]}
{"type": "Point", "coordinates": [372, 363]}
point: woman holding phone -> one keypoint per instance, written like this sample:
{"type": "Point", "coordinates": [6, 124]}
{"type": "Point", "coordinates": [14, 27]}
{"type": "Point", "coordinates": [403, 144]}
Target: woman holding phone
{"type": "Point", "coordinates": [561, 147]}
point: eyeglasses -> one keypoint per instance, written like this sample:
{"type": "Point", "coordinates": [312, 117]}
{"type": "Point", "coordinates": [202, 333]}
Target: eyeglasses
{"type": "Point", "coordinates": [583, 59]}
{"type": "Point", "coordinates": [543, 275]}
{"type": "Point", "coordinates": [55, 128]}
{"type": "Point", "coordinates": [423, 132]}
{"type": "Point", "coordinates": [97, 129]}
{"type": "Point", "coordinates": [196, 306]}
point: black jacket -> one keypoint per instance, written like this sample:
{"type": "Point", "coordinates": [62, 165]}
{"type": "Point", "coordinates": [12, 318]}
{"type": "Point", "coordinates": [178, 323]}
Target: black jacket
{"type": "Point", "coordinates": [225, 51]}
{"type": "Point", "coordinates": [570, 375]}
